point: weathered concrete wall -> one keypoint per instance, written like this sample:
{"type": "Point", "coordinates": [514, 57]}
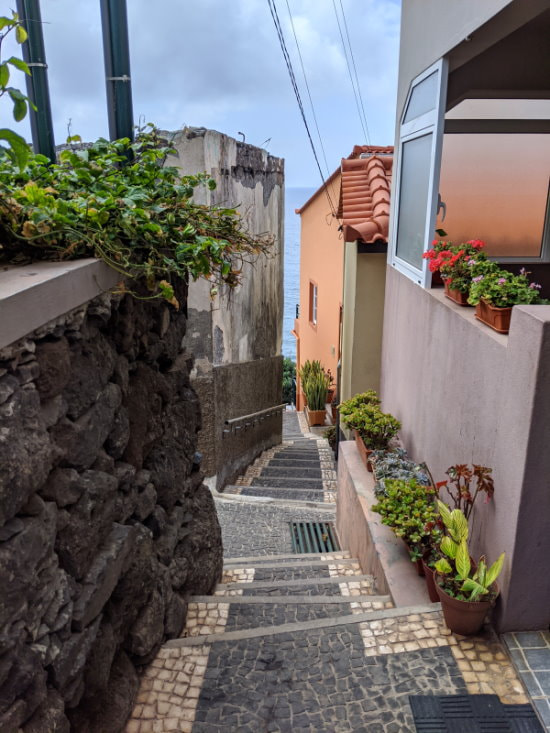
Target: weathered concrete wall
{"type": "Point", "coordinates": [105, 524]}
{"type": "Point", "coordinates": [466, 394]}
{"type": "Point", "coordinates": [240, 325]}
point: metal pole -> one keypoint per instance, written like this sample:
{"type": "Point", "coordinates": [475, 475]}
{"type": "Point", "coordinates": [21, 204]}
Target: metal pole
{"type": "Point", "coordinates": [116, 49]}
{"type": "Point", "coordinates": [37, 84]}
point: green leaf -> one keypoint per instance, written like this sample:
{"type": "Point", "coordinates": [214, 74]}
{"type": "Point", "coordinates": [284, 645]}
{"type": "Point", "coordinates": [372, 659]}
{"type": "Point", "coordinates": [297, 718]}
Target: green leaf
{"type": "Point", "coordinates": [449, 547]}
{"type": "Point", "coordinates": [21, 34]}
{"type": "Point", "coordinates": [459, 526]}
{"type": "Point", "coordinates": [442, 566]}
{"type": "Point", "coordinates": [445, 513]}
{"type": "Point", "coordinates": [18, 145]}
{"type": "Point", "coordinates": [19, 64]}
{"type": "Point", "coordinates": [462, 561]}
{"type": "Point", "coordinates": [474, 588]}
{"type": "Point", "coordinates": [19, 109]}
{"type": "Point", "coordinates": [4, 75]}
{"type": "Point", "coordinates": [5, 22]}
{"type": "Point", "coordinates": [494, 571]}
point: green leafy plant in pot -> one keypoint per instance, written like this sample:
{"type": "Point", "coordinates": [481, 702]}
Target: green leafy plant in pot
{"type": "Point", "coordinates": [466, 590]}
{"type": "Point", "coordinates": [316, 391]}
{"type": "Point", "coordinates": [408, 508]}
{"type": "Point", "coordinates": [373, 429]}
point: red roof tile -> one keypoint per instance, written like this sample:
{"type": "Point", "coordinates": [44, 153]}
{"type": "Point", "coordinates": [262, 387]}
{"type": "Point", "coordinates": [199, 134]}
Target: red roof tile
{"type": "Point", "coordinates": [364, 205]}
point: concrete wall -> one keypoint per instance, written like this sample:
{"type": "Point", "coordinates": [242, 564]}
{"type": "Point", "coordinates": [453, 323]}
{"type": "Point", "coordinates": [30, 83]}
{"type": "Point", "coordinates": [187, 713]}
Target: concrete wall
{"type": "Point", "coordinates": [241, 325]}
{"type": "Point", "coordinates": [430, 29]}
{"type": "Point", "coordinates": [466, 394]}
{"type": "Point", "coordinates": [364, 285]}
{"type": "Point", "coordinates": [321, 261]}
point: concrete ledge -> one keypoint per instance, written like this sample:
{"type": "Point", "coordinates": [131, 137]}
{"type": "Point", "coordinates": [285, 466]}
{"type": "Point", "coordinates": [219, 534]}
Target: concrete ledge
{"type": "Point", "coordinates": [361, 531]}
{"type": "Point", "coordinates": [33, 295]}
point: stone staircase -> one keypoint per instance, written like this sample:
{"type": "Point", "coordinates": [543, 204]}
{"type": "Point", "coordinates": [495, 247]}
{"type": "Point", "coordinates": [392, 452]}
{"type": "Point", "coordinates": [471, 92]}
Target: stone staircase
{"type": "Point", "coordinates": [300, 469]}
{"type": "Point", "coordinates": [293, 642]}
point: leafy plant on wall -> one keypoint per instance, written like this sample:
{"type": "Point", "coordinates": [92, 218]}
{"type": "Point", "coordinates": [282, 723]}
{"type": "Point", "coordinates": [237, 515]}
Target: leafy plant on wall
{"type": "Point", "coordinates": [17, 148]}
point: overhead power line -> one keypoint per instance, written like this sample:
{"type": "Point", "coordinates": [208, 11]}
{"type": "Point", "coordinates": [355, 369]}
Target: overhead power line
{"type": "Point", "coordinates": [284, 49]}
{"type": "Point", "coordinates": [307, 87]}
{"type": "Point", "coordinates": [354, 83]}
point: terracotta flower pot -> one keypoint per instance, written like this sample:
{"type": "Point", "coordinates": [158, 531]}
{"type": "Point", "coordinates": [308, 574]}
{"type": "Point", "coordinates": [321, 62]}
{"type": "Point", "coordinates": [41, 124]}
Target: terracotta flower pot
{"type": "Point", "coordinates": [456, 295]}
{"type": "Point", "coordinates": [417, 563]}
{"type": "Point", "coordinates": [430, 582]}
{"type": "Point", "coordinates": [496, 318]}
{"type": "Point", "coordinates": [364, 452]}
{"type": "Point", "coordinates": [462, 617]}
{"type": "Point", "coordinates": [315, 417]}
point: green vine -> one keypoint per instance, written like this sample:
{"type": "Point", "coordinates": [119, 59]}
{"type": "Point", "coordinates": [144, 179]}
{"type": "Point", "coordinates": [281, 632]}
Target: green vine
{"type": "Point", "coordinates": [118, 201]}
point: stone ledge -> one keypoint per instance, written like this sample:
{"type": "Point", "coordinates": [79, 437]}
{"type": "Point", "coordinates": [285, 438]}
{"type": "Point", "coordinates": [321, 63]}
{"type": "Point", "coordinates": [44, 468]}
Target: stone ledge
{"type": "Point", "coordinates": [380, 553]}
{"type": "Point", "coordinates": [33, 295]}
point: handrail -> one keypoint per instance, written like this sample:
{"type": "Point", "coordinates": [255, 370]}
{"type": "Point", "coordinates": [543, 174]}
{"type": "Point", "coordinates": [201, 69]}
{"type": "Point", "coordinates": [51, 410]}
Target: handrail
{"type": "Point", "coordinates": [252, 419]}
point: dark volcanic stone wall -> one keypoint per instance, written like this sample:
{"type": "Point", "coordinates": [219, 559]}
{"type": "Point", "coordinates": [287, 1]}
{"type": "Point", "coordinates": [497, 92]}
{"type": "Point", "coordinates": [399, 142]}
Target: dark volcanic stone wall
{"type": "Point", "coordinates": [105, 525]}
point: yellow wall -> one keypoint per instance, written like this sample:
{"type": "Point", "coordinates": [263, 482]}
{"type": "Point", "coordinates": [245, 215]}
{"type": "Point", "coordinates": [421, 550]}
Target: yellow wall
{"type": "Point", "coordinates": [364, 287]}
{"type": "Point", "coordinates": [321, 261]}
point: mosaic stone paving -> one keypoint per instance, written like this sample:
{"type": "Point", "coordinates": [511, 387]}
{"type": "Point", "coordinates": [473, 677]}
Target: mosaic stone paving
{"type": "Point", "coordinates": [326, 674]}
{"type": "Point", "coordinates": [530, 652]}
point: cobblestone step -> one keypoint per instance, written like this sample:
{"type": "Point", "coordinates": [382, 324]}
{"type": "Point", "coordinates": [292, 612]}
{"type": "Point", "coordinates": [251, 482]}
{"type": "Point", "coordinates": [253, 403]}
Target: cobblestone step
{"type": "Point", "coordinates": [366, 618]}
{"type": "Point", "coordinates": [233, 494]}
{"type": "Point", "coordinates": [206, 618]}
{"type": "Point", "coordinates": [285, 494]}
{"type": "Point", "coordinates": [327, 585]}
{"type": "Point", "coordinates": [292, 472]}
{"type": "Point", "coordinates": [296, 561]}
{"type": "Point", "coordinates": [239, 560]}
{"type": "Point", "coordinates": [293, 462]}
{"type": "Point", "coordinates": [305, 454]}
{"type": "Point", "coordinates": [288, 483]}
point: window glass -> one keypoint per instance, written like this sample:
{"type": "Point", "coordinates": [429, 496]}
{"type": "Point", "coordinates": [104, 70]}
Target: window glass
{"type": "Point", "coordinates": [313, 303]}
{"type": "Point", "coordinates": [423, 97]}
{"type": "Point", "coordinates": [495, 188]}
{"type": "Point", "coordinates": [413, 199]}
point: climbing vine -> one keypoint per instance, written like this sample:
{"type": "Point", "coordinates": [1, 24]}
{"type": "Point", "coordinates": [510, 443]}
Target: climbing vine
{"type": "Point", "coordinates": [118, 201]}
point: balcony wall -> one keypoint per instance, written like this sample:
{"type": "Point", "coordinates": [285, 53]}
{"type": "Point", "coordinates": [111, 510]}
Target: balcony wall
{"type": "Point", "coordinates": [466, 394]}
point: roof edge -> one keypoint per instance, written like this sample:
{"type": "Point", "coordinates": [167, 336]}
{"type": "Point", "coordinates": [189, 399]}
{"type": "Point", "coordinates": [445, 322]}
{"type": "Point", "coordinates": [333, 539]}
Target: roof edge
{"type": "Point", "coordinates": [313, 196]}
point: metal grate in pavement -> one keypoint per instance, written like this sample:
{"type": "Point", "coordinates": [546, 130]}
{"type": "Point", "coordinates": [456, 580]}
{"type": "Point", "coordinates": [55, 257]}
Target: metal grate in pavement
{"type": "Point", "coordinates": [313, 537]}
{"type": "Point", "coordinates": [471, 714]}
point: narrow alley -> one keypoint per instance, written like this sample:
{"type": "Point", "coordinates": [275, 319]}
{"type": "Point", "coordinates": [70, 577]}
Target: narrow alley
{"type": "Point", "coordinates": [303, 642]}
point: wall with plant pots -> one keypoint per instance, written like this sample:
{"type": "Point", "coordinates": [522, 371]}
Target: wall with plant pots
{"type": "Point", "coordinates": [467, 394]}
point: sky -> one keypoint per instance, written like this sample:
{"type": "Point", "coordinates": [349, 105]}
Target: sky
{"type": "Point", "coordinates": [218, 64]}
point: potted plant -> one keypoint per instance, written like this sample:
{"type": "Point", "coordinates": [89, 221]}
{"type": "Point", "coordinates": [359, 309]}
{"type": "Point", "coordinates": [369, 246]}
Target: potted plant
{"type": "Point", "coordinates": [461, 489]}
{"type": "Point", "coordinates": [395, 464]}
{"type": "Point", "coordinates": [495, 293]}
{"type": "Point", "coordinates": [408, 508]}
{"type": "Point", "coordinates": [438, 246]}
{"type": "Point", "coordinates": [466, 589]}
{"type": "Point", "coordinates": [373, 429]}
{"type": "Point", "coordinates": [316, 390]}
{"type": "Point", "coordinates": [458, 264]}
{"type": "Point", "coordinates": [307, 370]}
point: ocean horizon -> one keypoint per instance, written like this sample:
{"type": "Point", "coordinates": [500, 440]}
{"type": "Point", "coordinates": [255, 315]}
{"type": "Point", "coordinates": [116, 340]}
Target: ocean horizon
{"type": "Point", "coordinates": [294, 199]}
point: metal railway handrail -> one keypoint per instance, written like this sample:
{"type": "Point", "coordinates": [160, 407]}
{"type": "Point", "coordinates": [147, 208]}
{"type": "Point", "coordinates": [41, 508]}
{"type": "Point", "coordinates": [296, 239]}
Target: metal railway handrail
{"type": "Point", "coordinates": [234, 423]}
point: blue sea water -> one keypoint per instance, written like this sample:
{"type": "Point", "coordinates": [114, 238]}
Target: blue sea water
{"type": "Point", "coordinates": [294, 198]}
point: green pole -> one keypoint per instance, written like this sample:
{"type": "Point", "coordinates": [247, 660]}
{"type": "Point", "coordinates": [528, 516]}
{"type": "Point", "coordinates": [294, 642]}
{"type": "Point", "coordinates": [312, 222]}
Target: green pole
{"type": "Point", "coordinates": [37, 84]}
{"type": "Point", "coordinates": [116, 50]}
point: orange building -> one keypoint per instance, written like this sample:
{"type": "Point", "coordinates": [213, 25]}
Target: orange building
{"type": "Point", "coordinates": [351, 209]}
{"type": "Point", "coordinates": [317, 327]}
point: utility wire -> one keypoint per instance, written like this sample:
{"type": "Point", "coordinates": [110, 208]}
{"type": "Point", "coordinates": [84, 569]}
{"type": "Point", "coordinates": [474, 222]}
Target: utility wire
{"type": "Point", "coordinates": [355, 71]}
{"type": "Point", "coordinates": [307, 87]}
{"type": "Point", "coordinates": [355, 93]}
{"type": "Point", "coordinates": [282, 43]}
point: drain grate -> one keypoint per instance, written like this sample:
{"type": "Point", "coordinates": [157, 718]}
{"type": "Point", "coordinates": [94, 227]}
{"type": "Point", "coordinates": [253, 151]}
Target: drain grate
{"type": "Point", "coordinates": [471, 714]}
{"type": "Point", "coordinates": [313, 537]}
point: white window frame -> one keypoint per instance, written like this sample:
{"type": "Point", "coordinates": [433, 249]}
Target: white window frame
{"type": "Point", "coordinates": [313, 303]}
{"type": "Point", "coordinates": [432, 122]}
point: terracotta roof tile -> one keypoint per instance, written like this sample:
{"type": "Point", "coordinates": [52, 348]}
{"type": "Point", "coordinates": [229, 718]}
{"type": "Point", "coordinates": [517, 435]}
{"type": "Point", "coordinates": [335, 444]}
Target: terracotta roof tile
{"type": "Point", "coordinates": [364, 205]}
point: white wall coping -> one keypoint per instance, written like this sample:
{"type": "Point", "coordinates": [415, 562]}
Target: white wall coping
{"type": "Point", "coordinates": [33, 295]}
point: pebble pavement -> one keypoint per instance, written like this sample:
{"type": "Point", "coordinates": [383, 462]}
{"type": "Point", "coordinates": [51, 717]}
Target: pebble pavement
{"type": "Point", "coordinates": [292, 643]}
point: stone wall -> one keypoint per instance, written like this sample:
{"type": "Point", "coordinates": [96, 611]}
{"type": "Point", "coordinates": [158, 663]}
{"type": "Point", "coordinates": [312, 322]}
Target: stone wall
{"type": "Point", "coordinates": [105, 524]}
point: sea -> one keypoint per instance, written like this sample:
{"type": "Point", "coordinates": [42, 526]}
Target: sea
{"type": "Point", "coordinates": [294, 199]}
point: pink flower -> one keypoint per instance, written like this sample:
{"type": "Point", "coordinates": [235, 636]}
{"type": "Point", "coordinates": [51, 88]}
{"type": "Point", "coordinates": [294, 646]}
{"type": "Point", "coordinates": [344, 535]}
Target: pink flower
{"type": "Point", "coordinates": [477, 279]}
{"type": "Point", "coordinates": [535, 286]}
{"type": "Point", "coordinates": [501, 280]}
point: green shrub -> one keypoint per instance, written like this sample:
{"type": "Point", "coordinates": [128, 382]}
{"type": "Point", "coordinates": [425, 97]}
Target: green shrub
{"type": "Point", "coordinates": [289, 381]}
{"type": "Point", "coordinates": [375, 427]}
{"type": "Point", "coordinates": [316, 391]}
